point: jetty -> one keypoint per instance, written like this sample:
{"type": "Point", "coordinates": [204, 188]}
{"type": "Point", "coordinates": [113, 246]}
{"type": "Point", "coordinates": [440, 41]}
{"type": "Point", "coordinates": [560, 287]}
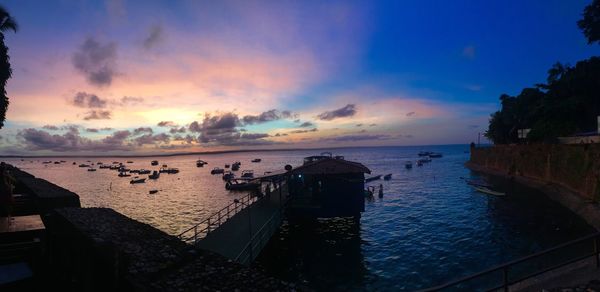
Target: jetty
{"type": "Point", "coordinates": [323, 187]}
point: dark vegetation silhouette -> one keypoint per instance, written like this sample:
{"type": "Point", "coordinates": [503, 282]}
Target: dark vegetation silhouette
{"type": "Point", "coordinates": [568, 103]}
{"type": "Point", "coordinates": [7, 23]}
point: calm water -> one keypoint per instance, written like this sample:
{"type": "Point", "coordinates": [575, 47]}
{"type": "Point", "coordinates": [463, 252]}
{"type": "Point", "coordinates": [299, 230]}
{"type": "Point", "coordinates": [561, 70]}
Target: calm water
{"type": "Point", "coordinates": [430, 227]}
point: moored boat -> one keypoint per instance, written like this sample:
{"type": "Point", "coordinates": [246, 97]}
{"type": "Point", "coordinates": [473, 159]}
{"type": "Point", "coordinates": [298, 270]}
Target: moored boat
{"type": "Point", "coordinates": [488, 191]}
{"type": "Point", "coordinates": [228, 175]}
{"type": "Point", "coordinates": [424, 153]}
{"type": "Point", "coordinates": [435, 155]}
{"type": "Point", "coordinates": [155, 175]}
{"type": "Point", "coordinates": [91, 169]}
{"type": "Point", "coordinates": [235, 185]}
{"type": "Point", "coordinates": [217, 170]}
{"type": "Point", "coordinates": [256, 160]}
{"type": "Point", "coordinates": [408, 164]}
{"type": "Point", "coordinates": [124, 174]}
{"type": "Point", "coordinates": [387, 176]}
{"type": "Point", "coordinates": [137, 180]}
{"type": "Point", "coordinates": [247, 173]}
{"type": "Point", "coordinates": [154, 162]}
{"type": "Point", "coordinates": [377, 177]}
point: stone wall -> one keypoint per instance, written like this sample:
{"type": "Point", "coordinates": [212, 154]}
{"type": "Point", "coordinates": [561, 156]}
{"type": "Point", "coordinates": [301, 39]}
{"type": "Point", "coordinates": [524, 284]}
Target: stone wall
{"type": "Point", "coordinates": [574, 167]}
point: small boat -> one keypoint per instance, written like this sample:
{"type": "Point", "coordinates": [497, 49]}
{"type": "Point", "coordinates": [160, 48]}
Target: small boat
{"type": "Point", "coordinates": [144, 171]}
{"type": "Point", "coordinates": [488, 191]}
{"type": "Point", "coordinates": [169, 170]}
{"type": "Point", "coordinates": [155, 175]}
{"type": "Point", "coordinates": [419, 163]}
{"type": "Point", "coordinates": [104, 166]}
{"type": "Point", "coordinates": [137, 180]}
{"type": "Point", "coordinates": [91, 169]}
{"type": "Point", "coordinates": [387, 176]}
{"type": "Point", "coordinates": [200, 163]}
{"type": "Point", "coordinates": [56, 162]}
{"type": "Point", "coordinates": [424, 160]}
{"type": "Point", "coordinates": [74, 163]}
{"type": "Point", "coordinates": [227, 165]}
{"type": "Point", "coordinates": [116, 162]}
{"type": "Point", "coordinates": [217, 170]}
{"type": "Point", "coordinates": [235, 167]}
{"type": "Point", "coordinates": [247, 173]}
{"type": "Point", "coordinates": [235, 185]}
{"type": "Point", "coordinates": [129, 161]}
{"type": "Point", "coordinates": [135, 171]}
{"type": "Point", "coordinates": [228, 175]}
{"type": "Point", "coordinates": [256, 160]}
{"type": "Point", "coordinates": [424, 153]}
{"type": "Point", "coordinates": [377, 177]}
{"type": "Point", "coordinates": [154, 162]}
{"type": "Point", "coordinates": [435, 155]}
{"type": "Point", "coordinates": [84, 165]}
{"type": "Point", "coordinates": [153, 192]}
{"type": "Point", "coordinates": [124, 174]}
{"type": "Point", "coordinates": [408, 164]}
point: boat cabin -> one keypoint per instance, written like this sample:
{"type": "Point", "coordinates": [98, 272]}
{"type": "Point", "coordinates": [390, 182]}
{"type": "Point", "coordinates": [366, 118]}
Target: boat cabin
{"type": "Point", "coordinates": [326, 187]}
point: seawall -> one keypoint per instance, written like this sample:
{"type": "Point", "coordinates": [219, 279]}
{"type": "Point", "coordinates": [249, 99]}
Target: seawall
{"type": "Point", "coordinates": [568, 174]}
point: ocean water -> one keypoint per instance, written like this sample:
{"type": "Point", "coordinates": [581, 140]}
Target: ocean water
{"type": "Point", "coordinates": [430, 226]}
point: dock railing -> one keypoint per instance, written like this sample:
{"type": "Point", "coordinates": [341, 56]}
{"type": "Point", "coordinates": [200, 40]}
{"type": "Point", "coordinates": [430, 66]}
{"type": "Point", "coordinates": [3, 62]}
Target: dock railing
{"type": "Point", "coordinates": [202, 229]}
{"type": "Point", "coordinates": [263, 235]}
{"type": "Point", "coordinates": [502, 277]}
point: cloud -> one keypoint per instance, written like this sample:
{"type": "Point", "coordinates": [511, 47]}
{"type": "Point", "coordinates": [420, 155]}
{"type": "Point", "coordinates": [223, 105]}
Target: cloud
{"type": "Point", "coordinates": [142, 130]}
{"type": "Point", "coordinates": [175, 130]}
{"type": "Point", "coordinates": [469, 52]}
{"type": "Point", "coordinates": [131, 100]}
{"type": "Point", "coordinates": [97, 115]}
{"type": "Point", "coordinates": [87, 100]}
{"type": "Point", "coordinates": [303, 131]}
{"type": "Point", "coordinates": [166, 124]}
{"type": "Point", "coordinates": [271, 115]}
{"type": "Point", "coordinates": [188, 139]}
{"type": "Point", "coordinates": [306, 125]}
{"type": "Point", "coordinates": [96, 61]}
{"type": "Point", "coordinates": [35, 140]}
{"type": "Point", "coordinates": [154, 38]}
{"type": "Point", "coordinates": [410, 114]}
{"type": "Point", "coordinates": [372, 125]}
{"type": "Point", "coordinates": [50, 127]}
{"type": "Point", "coordinates": [92, 130]}
{"type": "Point", "coordinates": [222, 129]}
{"type": "Point", "coordinates": [359, 125]}
{"type": "Point", "coordinates": [280, 134]}
{"type": "Point", "coordinates": [152, 139]}
{"type": "Point", "coordinates": [347, 111]}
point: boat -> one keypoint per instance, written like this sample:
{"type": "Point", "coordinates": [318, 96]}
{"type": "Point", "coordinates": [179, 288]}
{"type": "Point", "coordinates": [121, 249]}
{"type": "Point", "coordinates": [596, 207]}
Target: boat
{"type": "Point", "coordinates": [154, 162]}
{"type": "Point", "coordinates": [419, 163]}
{"type": "Point", "coordinates": [74, 163]}
{"type": "Point", "coordinates": [247, 173]}
{"type": "Point", "coordinates": [84, 165]}
{"type": "Point", "coordinates": [236, 185]}
{"type": "Point", "coordinates": [116, 162]}
{"type": "Point", "coordinates": [235, 166]}
{"type": "Point", "coordinates": [387, 176]}
{"type": "Point", "coordinates": [56, 162]}
{"type": "Point", "coordinates": [424, 160]}
{"type": "Point", "coordinates": [153, 192]}
{"type": "Point", "coordinates": [373, 178]}
{"type": "Point", "coordinates": [129, 161]}
{"type": "Point", "coordinates": [155, 175]}
{"type": "Point", "coordinates": [169, 170]}
{"type": "Point", "coordinates": [124, 174]}
{"type": "Point", "coordinates": [91, 169]}
{"type": "Point", "coordinates": [144, 171]}
{"type": "Point", "coordinates": [424, 153]}
{"type": "Point", "coordinates": [488, 191]}
{"type": "Point", "coordinates": [114, 167]}
{"type": "Point", "coordinates": [200, 163]}
{"type": "Point", "coordinates": [134, 171]}
{"type": "Point", "coordinates": [228, 175]}
{"type": "Point", "coordinates": [408, 164]}
{"type": "Point", "coordinates": [227, 165]}
{"type": "Point", "coordinates": [217, 170]}
{"type": "Point", "coordinates": [104, 166]}
{"type": "Point", "coordinates": [137, 180]}
{"type": "Point", "coordinates": [435, 155]}
{"type": "Point", "coordinates": [256, 160]}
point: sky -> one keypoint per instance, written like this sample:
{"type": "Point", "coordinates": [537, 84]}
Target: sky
{"type": "Point", "coordinates": [149, 77]}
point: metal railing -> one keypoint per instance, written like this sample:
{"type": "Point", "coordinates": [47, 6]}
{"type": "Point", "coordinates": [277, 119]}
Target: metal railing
{"type": "Point", "coordinates": [528, 267]}
{"type": "Point", "coordinates": [202, 229]}
{"type": "Point", "coordinates": [263, 235]}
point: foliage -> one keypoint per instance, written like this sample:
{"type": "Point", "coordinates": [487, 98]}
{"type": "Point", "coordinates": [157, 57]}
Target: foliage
{"type": "Point", "coordinates": [590, 24]}
{"type": "Point", "coordinates": [6, 23]}
{"type": "Point", "coordinates": [568, 103]}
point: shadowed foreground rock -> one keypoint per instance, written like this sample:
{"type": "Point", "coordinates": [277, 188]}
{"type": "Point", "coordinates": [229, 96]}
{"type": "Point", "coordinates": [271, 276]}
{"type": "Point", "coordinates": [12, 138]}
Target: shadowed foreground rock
{"type": "Point", "coordinates": [143, 258]}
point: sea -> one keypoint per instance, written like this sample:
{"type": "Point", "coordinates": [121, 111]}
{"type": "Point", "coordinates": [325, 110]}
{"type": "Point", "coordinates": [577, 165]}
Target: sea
{"type": "Point", "coordinates": [429, 227]}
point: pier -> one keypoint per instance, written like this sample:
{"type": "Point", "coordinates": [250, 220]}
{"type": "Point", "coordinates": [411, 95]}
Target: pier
{"type": "Point", "coordinates": [240, 230]}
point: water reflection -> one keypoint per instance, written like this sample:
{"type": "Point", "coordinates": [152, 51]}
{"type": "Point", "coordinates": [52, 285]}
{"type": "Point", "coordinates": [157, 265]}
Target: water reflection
{"type": "Point", "coordinates": [318, 253]}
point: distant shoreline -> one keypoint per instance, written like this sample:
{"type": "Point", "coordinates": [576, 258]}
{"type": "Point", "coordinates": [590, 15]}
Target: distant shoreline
{"type": "Point", "coordinates": [218, 152]}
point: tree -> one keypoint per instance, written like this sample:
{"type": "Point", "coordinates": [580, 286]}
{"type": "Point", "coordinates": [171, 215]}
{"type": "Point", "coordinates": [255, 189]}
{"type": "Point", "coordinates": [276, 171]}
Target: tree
{"type": "Point", "coordinates": [590, 24]}
{"type": "Point", "coordinates": [7, 23]}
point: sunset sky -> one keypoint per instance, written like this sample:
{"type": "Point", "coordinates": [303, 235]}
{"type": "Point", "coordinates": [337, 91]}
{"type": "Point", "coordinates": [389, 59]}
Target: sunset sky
{"type": "Point", "coordinates": [139, 77]}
